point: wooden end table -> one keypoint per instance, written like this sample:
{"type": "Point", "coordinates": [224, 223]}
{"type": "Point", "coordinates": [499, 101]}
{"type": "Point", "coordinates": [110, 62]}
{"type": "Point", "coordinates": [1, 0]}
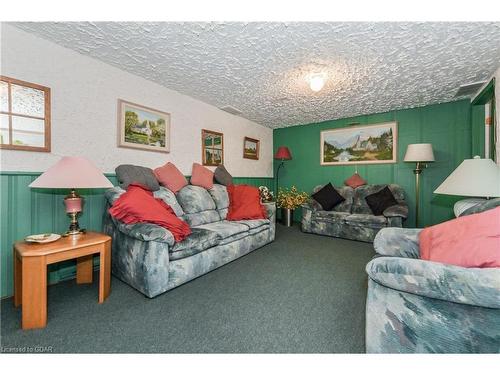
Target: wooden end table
{"type": "Point", "coordinates": [30, 271]}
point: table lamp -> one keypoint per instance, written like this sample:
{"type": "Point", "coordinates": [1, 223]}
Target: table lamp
{"type": "Point", "coordinates": [282, 154]}
{"type": "Point", "coordinates": [472, 178]}
{"type": "Point", "coordinates": [421, 154]}
{"type": "Point", "coordinates": [70, 173]}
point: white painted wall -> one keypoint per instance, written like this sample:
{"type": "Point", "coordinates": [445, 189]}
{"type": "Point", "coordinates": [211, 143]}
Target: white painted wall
{"type": "Point", "coordinates": [84, 113]}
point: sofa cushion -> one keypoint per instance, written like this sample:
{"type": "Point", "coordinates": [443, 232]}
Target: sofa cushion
{"type": "Point", "coordinates": [169, 198]}
{"type": "Point", "coordinates": [221, 198]}
{"type": "Point", "coordinates": [244, 203]}
{"type": "Point", "coordinates": [239, 236]}
{"type": "Point", "coordinates": [198, 241]}
{"type": "Point", "coordinates": [355, 181]}
{"type": "Point", "coordinates": [195, 199]}
{"type": "Point", "coordinates": [328, 197]}
{"type": "Point", "coordinates": [203, 217]}
{"type": "Point", "coordinates": [127, 174]}
{"type": "Point", "coordinates": [202, 176]}
{"type": "Point", "coordinates": [331, 216]}
{"type": "Point", "coordinates": [471, 241]}
{"type": "Point", "coordinates": [255, 223]}
{"type": "Point", "coordinates": [222, 176]}
{"type": "Point", "coordinates": [359, 202]}
{"type": "Point", "coordinates": [346, 192]}
{"type": "Point", "coordinates": [380, 201]}
{"type": "Point", "coordinates": [169, 176]}
{"type": "Point", "coordinates": [366, 220]}
{"type": "Point", "coordinates": [225, 228]}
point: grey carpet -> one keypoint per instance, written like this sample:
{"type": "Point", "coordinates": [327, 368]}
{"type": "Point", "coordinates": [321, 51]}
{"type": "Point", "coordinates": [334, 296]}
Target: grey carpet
{"type": "Point", "coordinates": [301, 294]}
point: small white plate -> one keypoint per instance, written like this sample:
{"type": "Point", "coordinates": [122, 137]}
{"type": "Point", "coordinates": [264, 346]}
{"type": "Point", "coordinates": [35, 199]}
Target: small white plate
{"type": "Point", "coordinates": [43, 238]}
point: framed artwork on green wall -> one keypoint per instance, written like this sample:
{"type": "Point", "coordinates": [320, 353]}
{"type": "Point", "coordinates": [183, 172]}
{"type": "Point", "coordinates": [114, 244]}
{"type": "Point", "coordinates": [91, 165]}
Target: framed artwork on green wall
{"type": "Point", "coordinates": [367, 144]}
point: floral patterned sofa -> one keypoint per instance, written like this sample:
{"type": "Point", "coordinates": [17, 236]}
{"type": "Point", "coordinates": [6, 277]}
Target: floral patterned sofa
{"type": "Point", "coordinates": [146, 256]}
{"type": "Point", "coordinates": [353, 219]}
{"type": "Point", "coordinates": [419, 306]}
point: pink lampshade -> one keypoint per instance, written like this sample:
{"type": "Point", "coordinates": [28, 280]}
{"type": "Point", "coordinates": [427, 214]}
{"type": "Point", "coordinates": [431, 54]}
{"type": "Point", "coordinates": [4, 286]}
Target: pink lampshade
{"type": "Point", "coordinates": [283, 153]}
{"type": "Point", "coordinates": [72, 172]}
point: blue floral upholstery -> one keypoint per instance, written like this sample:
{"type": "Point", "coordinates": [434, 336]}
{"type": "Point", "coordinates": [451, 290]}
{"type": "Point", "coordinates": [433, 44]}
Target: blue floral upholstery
{"type": "Point", "coordinates": [146, 256]}
{"type": "Point", "coordinates": [198, 241]}
{"type": "Point", "coordinates": [203, 217]}
{"type": "Point", "coordinates": [221, 199]}
{"type": "Point", "coordinates": [353, 219]}
{"type": "Point", "coordinates": [418, 306]}
{"type": "Point", "coordinates": [194, 199]}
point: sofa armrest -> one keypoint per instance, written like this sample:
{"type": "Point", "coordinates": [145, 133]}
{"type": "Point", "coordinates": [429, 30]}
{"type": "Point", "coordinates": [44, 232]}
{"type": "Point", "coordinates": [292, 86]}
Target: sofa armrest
{"type": "Point", "coordinates": [398, 210]}
{"type": "Point", "coordinates": [398, 242]}
{"type": "Point", "coordinates": [308, 206]}
{"type": "Point", "coordinates": [270, 210]}
{"type": "Point", "coordinates": [145, 232]}
{"type": "Point", "coordinates": [467, 286]}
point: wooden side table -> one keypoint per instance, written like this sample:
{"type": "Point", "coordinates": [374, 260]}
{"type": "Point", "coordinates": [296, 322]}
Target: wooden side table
{"type": "Point", "coordinates": [30, 271]}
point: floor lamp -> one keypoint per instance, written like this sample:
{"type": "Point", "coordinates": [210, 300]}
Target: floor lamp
{"type": "Point", "coordinates": [421, 154]}
{"type": "Point", "coordinates": [282, 154]}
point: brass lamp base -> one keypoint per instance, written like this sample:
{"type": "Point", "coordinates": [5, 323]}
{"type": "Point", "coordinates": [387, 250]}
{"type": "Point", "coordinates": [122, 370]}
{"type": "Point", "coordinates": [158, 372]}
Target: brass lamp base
{"type": "Point", "coordinates": [74, 228]}
{"type": "Point", "coordinates": [73, 200]}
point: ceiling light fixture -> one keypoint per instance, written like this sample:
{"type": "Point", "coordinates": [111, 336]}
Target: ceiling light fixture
{"type": "Point", "coordinates": [316, 81]}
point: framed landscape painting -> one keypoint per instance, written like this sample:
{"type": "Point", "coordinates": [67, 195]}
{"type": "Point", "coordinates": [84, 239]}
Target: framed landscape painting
{"type": "Point", "coordinates": [142, 127]}
{"type": "Point", "coordinates": [212, 148]}
{"type": "Point", "coordinates": [367, 144]}
{"type": "Point", "coordinates": [251, 148]}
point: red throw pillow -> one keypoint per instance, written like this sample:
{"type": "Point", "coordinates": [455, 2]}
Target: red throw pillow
{"type": "Point", "coordinates": [244, 203]}
{"type": "Point", "coordinates": [138, 205]}
{"type": "Point", "coordinates": [468, 241]}
{"type": "Point", "coordinates": [202, 176]}
{"type": "Point", "coordinates": [169, 176]}
{"type": "Point", "coordinates": [355, 181]}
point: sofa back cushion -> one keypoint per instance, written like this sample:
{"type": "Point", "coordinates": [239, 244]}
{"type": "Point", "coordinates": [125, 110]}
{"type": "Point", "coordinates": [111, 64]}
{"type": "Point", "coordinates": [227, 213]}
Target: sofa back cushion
{"type": "Point", "coordinates": [198, 205]}
{"type": "Point", "coordinates": [169, 176]}
{"type": "Point", "coordinates": [345, 191]}
{"type": "Point", "coordinates": [360, 206]}
{"type": "Point", "coordinates": [221, 199]}
{"type": "Point", "coordinates": [127, 174]}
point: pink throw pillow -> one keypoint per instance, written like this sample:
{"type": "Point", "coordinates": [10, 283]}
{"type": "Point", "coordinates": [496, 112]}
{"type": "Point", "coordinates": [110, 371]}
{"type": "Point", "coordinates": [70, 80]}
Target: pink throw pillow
{"type": "Point", "coordinates": [355, 181]}
{"type": "Point", "coordinates": [468, 241]}
{"type": "Point", "coordinates": [170, 177]}
{"type": "Point", "coordinates": [202, 176]}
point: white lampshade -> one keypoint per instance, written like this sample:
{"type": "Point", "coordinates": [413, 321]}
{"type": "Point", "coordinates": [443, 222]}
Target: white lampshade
{"type": "Point", "coordinates": [473, 178]}
{"type": "Point", "coordinates": [419, 152]}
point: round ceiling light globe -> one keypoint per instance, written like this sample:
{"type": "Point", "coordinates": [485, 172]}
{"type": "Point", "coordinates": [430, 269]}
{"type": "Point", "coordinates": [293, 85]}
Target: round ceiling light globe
{"type": "Point", "coordinates": [316, 82]}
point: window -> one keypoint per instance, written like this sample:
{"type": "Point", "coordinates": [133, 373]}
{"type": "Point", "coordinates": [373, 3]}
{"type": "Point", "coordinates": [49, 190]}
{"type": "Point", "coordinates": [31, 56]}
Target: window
{"type": "Point", "coordinates": [24, 115]}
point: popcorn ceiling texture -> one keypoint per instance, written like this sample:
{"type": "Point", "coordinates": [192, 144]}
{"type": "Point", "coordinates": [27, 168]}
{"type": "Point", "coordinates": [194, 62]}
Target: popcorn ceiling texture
{"type": "Point", "coordinates": [260, 68]}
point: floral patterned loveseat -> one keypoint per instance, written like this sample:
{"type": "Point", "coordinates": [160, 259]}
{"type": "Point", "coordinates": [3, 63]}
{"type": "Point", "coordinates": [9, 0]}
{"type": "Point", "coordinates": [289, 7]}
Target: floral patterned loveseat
{"type": "Point", "coordinates": [353, 219]}
{"type": "Point", "coordinates": [146, 256]}
{"type": "Point", "coordinates": [419, 306]}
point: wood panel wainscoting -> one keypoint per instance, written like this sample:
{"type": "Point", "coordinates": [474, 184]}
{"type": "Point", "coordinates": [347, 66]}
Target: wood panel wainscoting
{"type": "Point", "coordinates": [26, 211]}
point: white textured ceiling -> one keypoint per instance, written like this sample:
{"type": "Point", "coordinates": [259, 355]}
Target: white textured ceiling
{"type": "Point", "coordinates": [260, 68]}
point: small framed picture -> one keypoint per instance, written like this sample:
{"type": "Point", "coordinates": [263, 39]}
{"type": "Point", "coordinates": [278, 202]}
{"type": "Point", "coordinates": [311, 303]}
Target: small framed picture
{"type": "Point", "coordinates": [142, 127]}
{"type": "Point", "coordinates": [251, 148]}
{"type": "Point", "coordinates": [212, 147]}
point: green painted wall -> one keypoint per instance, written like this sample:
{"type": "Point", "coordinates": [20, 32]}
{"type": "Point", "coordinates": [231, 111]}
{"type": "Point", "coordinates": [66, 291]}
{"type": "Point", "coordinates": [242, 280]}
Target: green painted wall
{"type": "Point", "coordinates": [447, 126]}
{"type": "Point", "coordinates": [477, 120]}
{"type": "Point", "coordinates": [25, 211]}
